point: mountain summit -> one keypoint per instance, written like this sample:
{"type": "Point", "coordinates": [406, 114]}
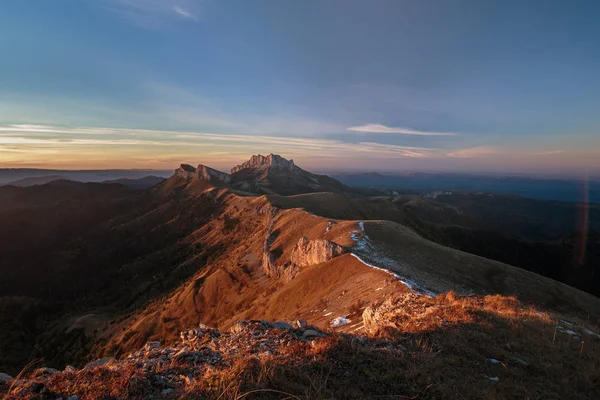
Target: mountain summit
{"type": "Point", "coordinates": [271, 174]}
{"type": "Point", "coordinates": [270, 161]}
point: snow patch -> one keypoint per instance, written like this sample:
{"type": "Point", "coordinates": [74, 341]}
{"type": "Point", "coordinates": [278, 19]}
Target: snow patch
{"type": "Point", "coordinates": [410, 285]}
{"type": "Point", "coordinates": [590, 333]}
{"type": "Point", "coordinates": [494, 378]}
{"type": "Point", "coordinates": [569, 332]}
{"type": "Point", "coordinates": [340, 321]}
{"type": "Point", "coordinates": [329, 225]}
{"type": "Point", "coordinates": [363, 247]}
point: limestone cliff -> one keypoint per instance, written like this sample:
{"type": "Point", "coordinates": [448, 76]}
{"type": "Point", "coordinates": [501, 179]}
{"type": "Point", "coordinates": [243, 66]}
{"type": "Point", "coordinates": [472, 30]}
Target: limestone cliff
{"type": "Point", "coordinates": [211, 175]}
{"type": "Point", "coordinates": [186, 171]}
{"type": "Point", "coordinates": [272, 161]}
{"type": "Point", "coordinates": [311, 252]}
{"type": "Point", "coordinates": [202, 172]}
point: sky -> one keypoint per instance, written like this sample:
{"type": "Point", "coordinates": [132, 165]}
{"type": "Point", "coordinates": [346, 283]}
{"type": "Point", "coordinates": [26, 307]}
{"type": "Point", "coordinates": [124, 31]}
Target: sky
{"type": "Point", "coordinates": [445, 85]}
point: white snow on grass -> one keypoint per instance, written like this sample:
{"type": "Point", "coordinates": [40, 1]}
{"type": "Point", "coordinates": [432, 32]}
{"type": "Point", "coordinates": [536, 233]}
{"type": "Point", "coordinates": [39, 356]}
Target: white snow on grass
{"type": "Point", "coordinates": [569, 328]}
{"type": "Point", "coordinates": [363, 247]}
{"type": "Point", "coordinates": [590, 333]}
{"type": "Point", "coordinates": [410, 285]}
{"type": "Point", "coordinates": [329, 225]}
{"type": "Point", "coordinates": [340, 321]}
{"type": "Point", "coordinates": [494, 378]}
{"type": "Point", "coordinates": [569, 332]}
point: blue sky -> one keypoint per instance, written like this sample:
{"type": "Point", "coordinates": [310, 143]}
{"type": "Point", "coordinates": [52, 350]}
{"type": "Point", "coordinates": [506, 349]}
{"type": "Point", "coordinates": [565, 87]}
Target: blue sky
{"type": "Point", "coordinates": [507, 86]}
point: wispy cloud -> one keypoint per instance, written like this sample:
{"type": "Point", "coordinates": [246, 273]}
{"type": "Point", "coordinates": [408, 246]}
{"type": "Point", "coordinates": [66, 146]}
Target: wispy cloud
{"type": "Point", "coordinates": [154, 13]}
{"type": "Point", "coordinates": [479, 151]}
{"type": "Point", "coordinates": [184, 13]}
{"type": "Point", "coordinates": [378, 128]}
{"type": "Point", "coordinates": [145, 145]}
{"type": "Point", "coordinates": [501, 151]}
{"type": "Point", "coordinates": [104, 147]}
{"type": "Point", "coordinates": [549, 152]}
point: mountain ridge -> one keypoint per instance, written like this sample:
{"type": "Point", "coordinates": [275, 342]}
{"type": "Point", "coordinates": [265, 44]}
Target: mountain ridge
{"type": "Point", "coordinates": [114, 269]}
{"type": "Point", "coordinates": [264, 174]}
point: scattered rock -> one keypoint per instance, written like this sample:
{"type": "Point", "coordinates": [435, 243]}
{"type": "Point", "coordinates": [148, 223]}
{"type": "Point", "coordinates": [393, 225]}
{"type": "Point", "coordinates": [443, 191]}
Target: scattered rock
{"type": "Point", "coordinates": [5, 377]}
{"type": "Point", "coordinates": [299, 324]}
{"type": "Point", "coordinates": [282, 325]}
{"type": "Point", "coordinates": [45, 371]}
{"type": "Point", "coordinates": [238, 326]}
{"type": "Point", "coordinates": [152, 345]}
{"type": "Point", "coordinates": [312, 333]}
{"type": "Point", "coordinates": [100, 363]}
{"type": "Point", "coordinates": [340, 321]}
{"type": "Point", "coordinates": [182, 354]}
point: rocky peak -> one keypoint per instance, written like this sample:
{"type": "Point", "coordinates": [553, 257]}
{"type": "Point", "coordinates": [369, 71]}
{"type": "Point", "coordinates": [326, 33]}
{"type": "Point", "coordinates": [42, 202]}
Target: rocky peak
{"type": "Point", "coordinates": [272, 161]}
{"type": "Point", "coordinates": [186, 171]}
{"type": "Point", "coordinates": [202, 172]}
{"type": "Point", "coordinates": [211, 175]}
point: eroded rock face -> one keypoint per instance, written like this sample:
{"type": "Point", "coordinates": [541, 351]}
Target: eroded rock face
{"type": "Point", "coordinates": [186, 171]}
{"type": "Point", "coordinates": [211, 175]}
{"type": "Point", "coordinates": [272, 160]}
{"type": "Point", "coordinates": [286, 271]}
{"type": "Point", "coordinates": [311, 252]}
{"type": "Point", "coordinates": [202, 172]}
{"type": "Point", "coordinates": [307, 252]}
{"type": "Point", "coordinates": [268, 264]}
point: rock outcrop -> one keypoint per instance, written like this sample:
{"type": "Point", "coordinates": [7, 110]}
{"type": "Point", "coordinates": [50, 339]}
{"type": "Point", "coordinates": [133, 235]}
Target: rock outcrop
{"type": "Point", "coordinates": [311, 252]}
{"type": "Point", "coordinates": [260, 161]}
{"type": "Point", "coordinates": [212, 175]}
{"type": "Point", "coordinates": [399, 314]}
{"type": "Point", "coordinates": [200, 350]}
{"type": "Point", "coordinates": [5, 377]}
{"type": "Point", "coordinates": [202, 172]}
{"type": "Point", "coordinates": [305, 253]}
{"type": "Point", "coordinates": [268, 264]}
{"type": "Point", "coordinates": [271, 174]}
{"type": "Point", "coordinates": [186, 171]}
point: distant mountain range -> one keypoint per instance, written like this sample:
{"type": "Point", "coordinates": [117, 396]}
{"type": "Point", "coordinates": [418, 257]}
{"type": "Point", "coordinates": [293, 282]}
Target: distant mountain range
{"type": "Point", "coordinates": [139, 183]}
{"type": "Point", "coordinates": [408, 182]}
{"type": "Point", "coordinates": [534, 188]}
{"type": "Point", "coordinates": [8, 175]}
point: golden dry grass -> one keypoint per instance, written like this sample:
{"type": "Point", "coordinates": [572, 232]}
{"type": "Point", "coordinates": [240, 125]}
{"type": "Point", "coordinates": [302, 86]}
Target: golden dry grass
{"type": "Point", "coordinates": [445, 347]}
